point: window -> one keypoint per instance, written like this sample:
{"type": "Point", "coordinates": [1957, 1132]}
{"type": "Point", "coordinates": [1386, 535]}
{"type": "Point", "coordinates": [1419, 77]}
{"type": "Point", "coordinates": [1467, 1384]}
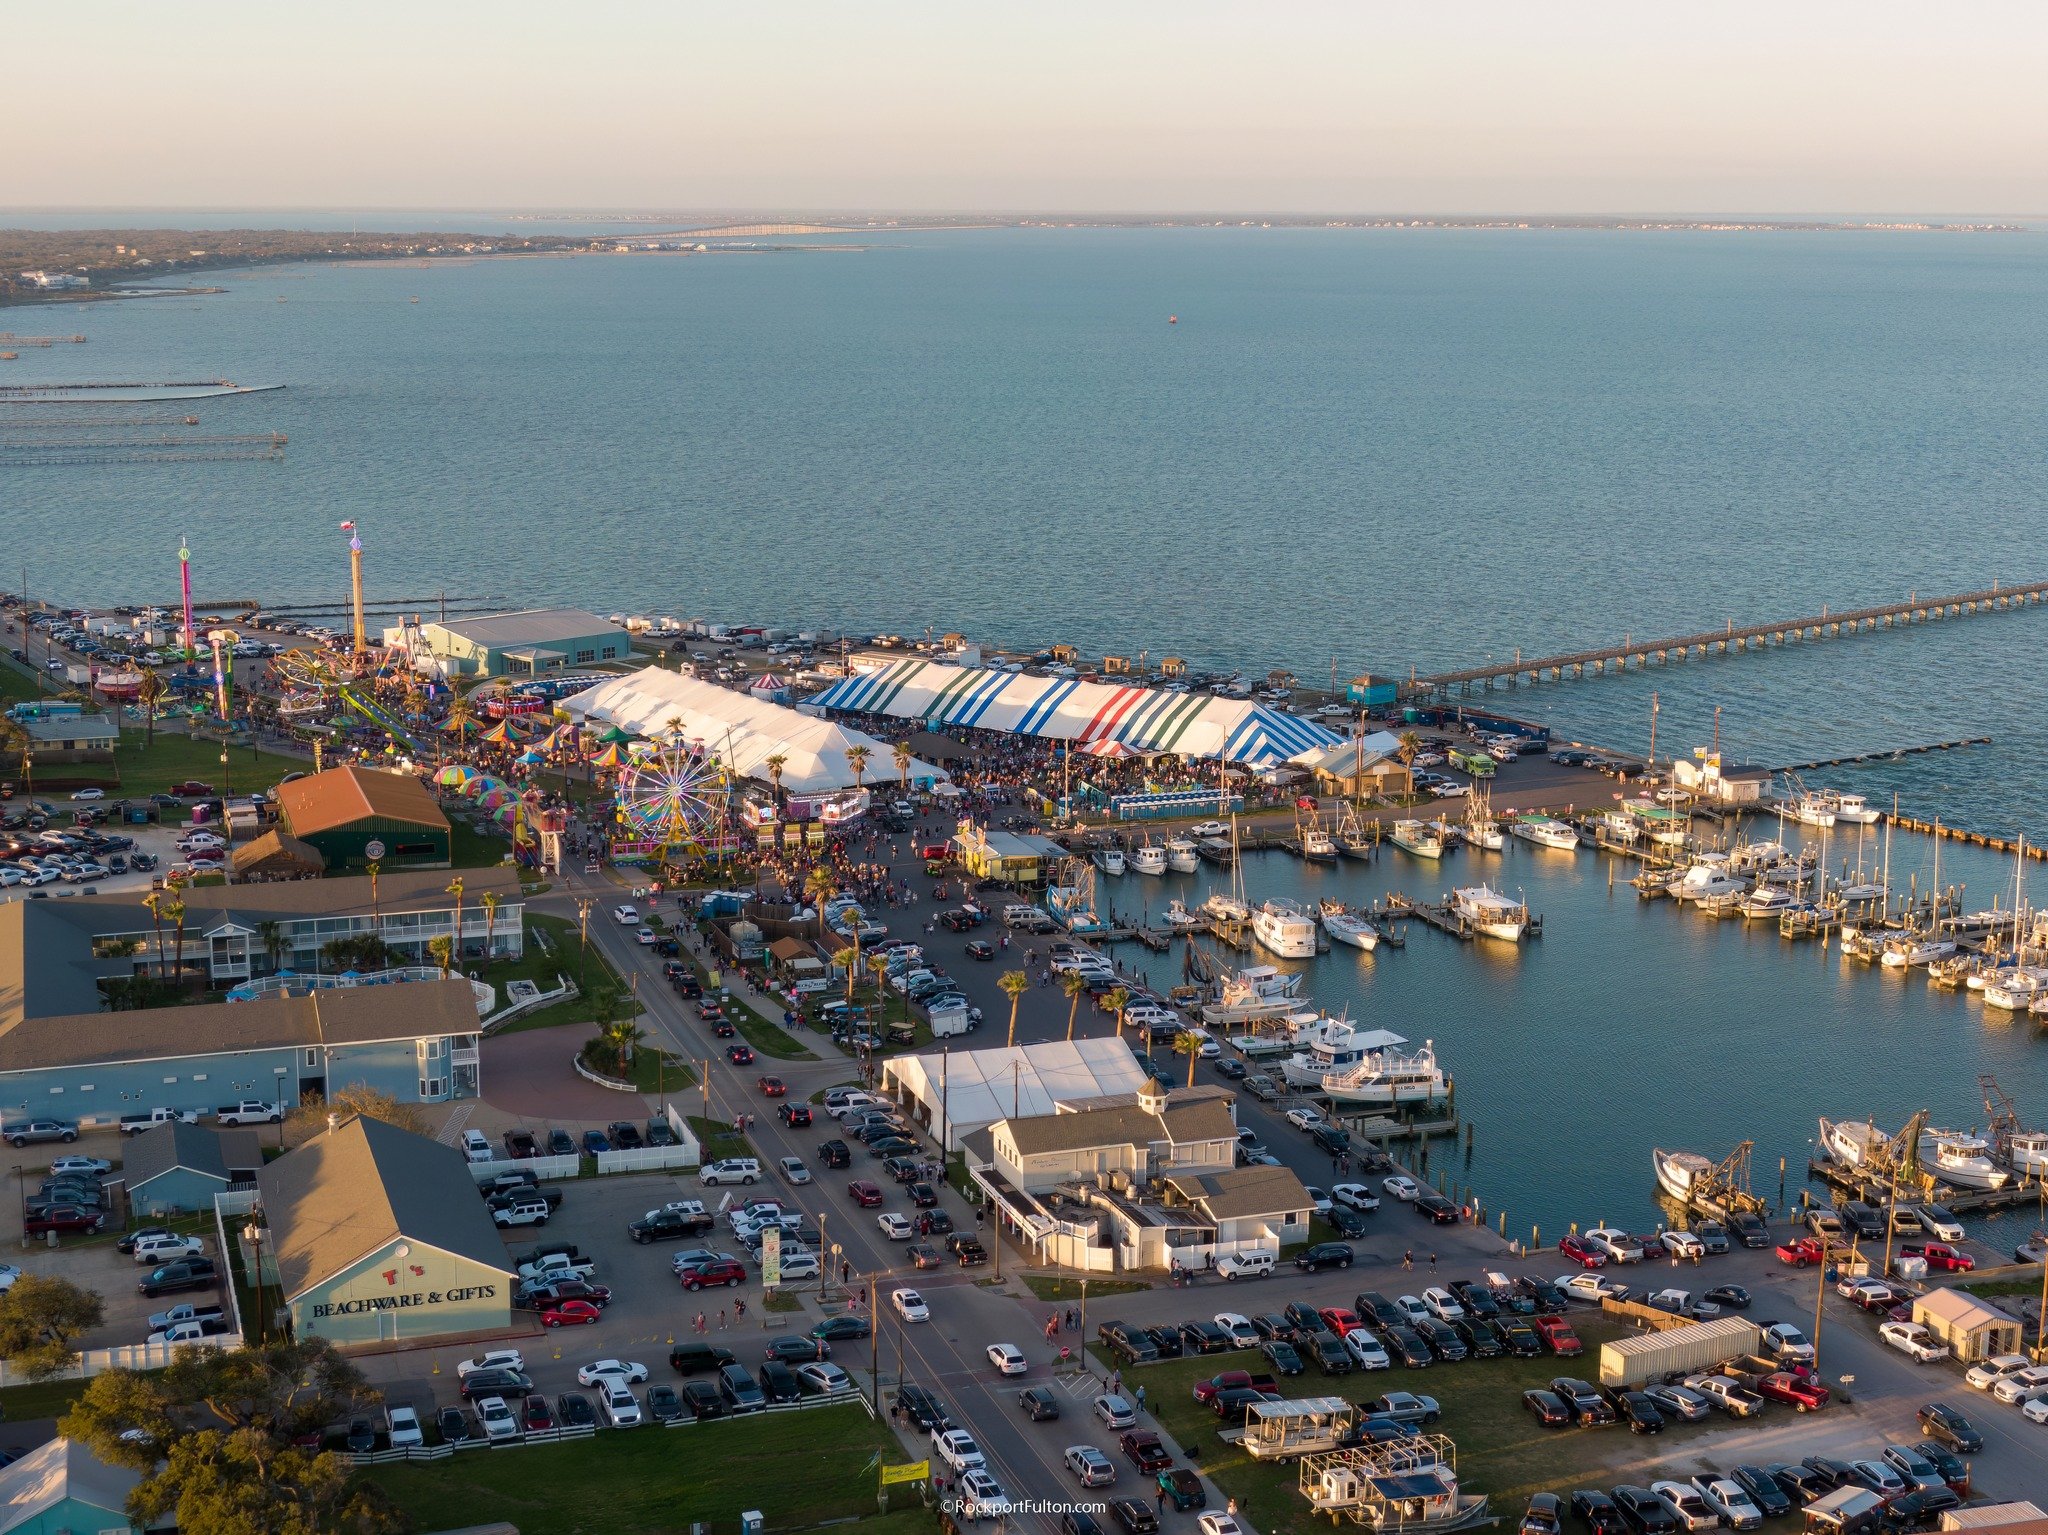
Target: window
{"type": "Point", "coordinates": [313, 1058]}
{"type": "Point", "coordinates": [433, 1087]}
{"type": "Point", "coordinates": [585, 657]}
{"type": "Point", "coordinates": [199, 1076]}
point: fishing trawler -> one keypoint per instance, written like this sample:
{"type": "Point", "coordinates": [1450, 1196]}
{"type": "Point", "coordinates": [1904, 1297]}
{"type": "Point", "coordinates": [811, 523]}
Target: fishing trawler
{"type": "Point", "coordinates": [1425, 839]}
{"type": "Point", "coordinates": [1110, 860]}
{"type": "Point", "coordinates": [1480, 829]}
{"type": "Point", "coordinates": [1961, 1160]}
{"type": "Point", "coordinates": [1317, 845]}
{"type": "Point", "coordinates": [1489, 912]}
{"type": "Point", "coordinates": [1353, 841]}
{"type": "Point", "coordinates": [1148, 857]}
{"type": "Point", "coordinates": [1181, 857]}
{"type": "Point", "coordinates": [1849, 1141]}
{"type": "Point", "coordinates": [1679, 1171]}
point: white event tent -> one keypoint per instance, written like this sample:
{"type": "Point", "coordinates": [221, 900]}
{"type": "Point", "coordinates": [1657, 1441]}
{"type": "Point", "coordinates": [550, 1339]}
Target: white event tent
{"type": "Point", "coordinates": [743, 732]}
{"type": "Point", "coordinates": [971, 1089]}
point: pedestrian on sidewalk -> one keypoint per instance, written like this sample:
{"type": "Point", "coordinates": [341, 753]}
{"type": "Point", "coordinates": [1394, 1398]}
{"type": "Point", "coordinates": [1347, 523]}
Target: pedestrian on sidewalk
{"type": "Point", "coordinates": [1408, 1259]}
{"type": "Point", "coordinates": [1432, 1263]}
{"type": "Point", "coordinates": [1141, 1399]}
{"type": "Point", "coordinates": [721, 1318]}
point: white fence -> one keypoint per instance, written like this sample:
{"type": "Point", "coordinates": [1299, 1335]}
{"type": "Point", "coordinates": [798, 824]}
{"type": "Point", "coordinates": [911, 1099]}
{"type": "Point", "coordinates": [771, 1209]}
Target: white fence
{"type": "Point", "coordinates": [504, 1015]}
{"type": "Point", "coordinates": [647, 1159]}
{"type": "Point", "coordinates": [540, 1167]}
{"type": "Point", "coordinates": [558, 1435]}
{"type": "Point", "coordinates": [129, 1356]}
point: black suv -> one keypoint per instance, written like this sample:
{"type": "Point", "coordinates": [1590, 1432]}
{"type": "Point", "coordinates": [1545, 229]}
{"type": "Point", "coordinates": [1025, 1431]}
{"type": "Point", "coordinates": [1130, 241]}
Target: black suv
{"type": "Point", "coordinates": [698, 1358]}
{"type": "Point", "coordinates": [1323, 1255]}
{"type": "Point", "coordinates": [1945, 1425]}
{"type": "Point", "coordinates": [923, 1408]}
{"type": "Point", "coordinates": [1378, 1310]}
{"type": "Point", "coordinates": [833, 1153]}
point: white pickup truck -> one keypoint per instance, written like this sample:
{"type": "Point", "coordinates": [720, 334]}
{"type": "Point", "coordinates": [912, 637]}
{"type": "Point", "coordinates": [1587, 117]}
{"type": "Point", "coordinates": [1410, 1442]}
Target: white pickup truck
{"type": "Point", "coordinates": [250, 1111]}
{"type": "Point", "coordinates": [192, 1332]}
{"type": "Point", "coordinates": [135, 1124]}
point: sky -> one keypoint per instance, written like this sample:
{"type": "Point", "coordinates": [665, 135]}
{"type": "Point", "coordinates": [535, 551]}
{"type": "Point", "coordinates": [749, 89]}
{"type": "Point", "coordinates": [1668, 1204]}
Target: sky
{"type": "Point", "coordinates": [1292, 106]}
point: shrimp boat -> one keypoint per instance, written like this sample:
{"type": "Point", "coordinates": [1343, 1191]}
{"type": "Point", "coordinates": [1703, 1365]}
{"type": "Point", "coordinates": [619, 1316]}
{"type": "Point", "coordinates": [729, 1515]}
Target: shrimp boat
{"type": "Point", "coordinates": [1110, 860]}
{"type": "Point", "coordinates": [1148, 858]}
{"type": "Point", "coordinates": [1812, 809]}
{"type": "Point", "coordinates": [1285, 928]}
{"type": "Point", "coordinates": [1344, 926]}
{"type": "Point", "coordinates": [1491, 913]}
{"type": "Point", "coordinates": [1181, 857]}
{"type": "Point", "coordinates": [1679, 1171]}
{"type": "Point", "coordinates": [1849, 1141]}
{"type": "Point", "coordinates": [1425, 839]}
{"type": "Point", "coordinates": [1317, 845]}
{"type": "Point", "coordinates": [1544, 831]}
{"type": "Point", "coordinates": [2027, 1151]}
{"type": "Point", "coordinates": [1480, 829]}
{"type": "Point", "coordinates": [1961, 1160]}
{"type": "Point", "coordinates": [1387, 1078]}
{"type": "Point", "coordinates": [1352, 839]}
{"type": "Point", "coordinates": [1853, 808]}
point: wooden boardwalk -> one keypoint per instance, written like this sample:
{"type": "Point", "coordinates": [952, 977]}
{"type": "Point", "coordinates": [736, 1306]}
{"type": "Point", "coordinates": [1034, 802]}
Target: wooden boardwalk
{"type": "Point", "coordinates": [1641, 653]}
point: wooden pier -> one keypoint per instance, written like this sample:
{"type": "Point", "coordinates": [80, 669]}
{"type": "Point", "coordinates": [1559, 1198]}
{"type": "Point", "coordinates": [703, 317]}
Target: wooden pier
{"type": "Point", "coordinates": [1844, 1181]}
{"type": "Point", "coordinates": [1734, 637]}
{"type": "Point", "coordinates": [1443, 917]}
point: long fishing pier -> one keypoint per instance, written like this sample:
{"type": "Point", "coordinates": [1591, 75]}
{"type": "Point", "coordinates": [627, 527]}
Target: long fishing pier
{"type": "Point", "coordinates": [1642, 653]}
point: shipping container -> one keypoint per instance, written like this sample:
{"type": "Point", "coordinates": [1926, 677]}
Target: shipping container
{"type": "Point", "coordinates": [1700, 1346]}
{"type": "Point", "coordinates": [1372, 693]}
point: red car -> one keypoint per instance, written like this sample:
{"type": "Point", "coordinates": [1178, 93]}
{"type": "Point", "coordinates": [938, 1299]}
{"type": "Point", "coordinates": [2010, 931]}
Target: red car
{"type": "Point", "coordinates": [63, 1218]}
{"type": "Point", "coordinates": [1557, 1334]}
{"type": "Point", "coordinates": [720, 1271]}
{"type": "Point", "coordinates": [1802, 1253]}
{"type": "Point", "coordinates": [1572, 1248]}
{"type": "Point", "coordinates": [796, 1115]}
{"type": "Point", "coordinates": [771, 1087]}
{"type": "Point", "coordinates": [192, 788]}
{"type": "Point", "coordinates": [1229, 1380]}
{"type": "Point", "coordinates": [1806, 1395]}
{"type": "Point", "coordinates": [1939, 1255]}
{"type": "Point", "coordinates": [538, 1413]}
{"type": "Point", "coordinates": [571, 1313]}
{"type": "Point", "coordinates": [865, 1194]}
{"type": "Point", "coordinates": [1145, 1452]}
{"type": "Point", "coordinates": [1341, 1319]}
{"type": "Point", "coordinates": [740, 1055]}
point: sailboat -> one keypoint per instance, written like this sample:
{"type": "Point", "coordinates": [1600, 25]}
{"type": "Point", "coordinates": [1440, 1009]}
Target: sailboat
{"type": "Point", "coordinates": [1344, 926]}
{"type": "Point", "coordinates": [1232, 907]}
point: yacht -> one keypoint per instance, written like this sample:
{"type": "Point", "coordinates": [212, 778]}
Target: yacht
{"type": "Point", "coordinates": [2016, 991]}
{"type": "Point", "coordinates": [1148, 858]}
{"type": "Point", "coordinates": [1181, 857]}
{"type": "Point", "coordinates": [1909, 949]}
{"type": "Point", "coordinates": [1961, 1160]}
{"type": "Point", "coordinates": [1767, 901]}
{"type": "Point", "coordinates": [1849, 1141]}
{"type": "Point", "coordinates": [1317, 845]}
{"type": "Point", "coordinates": [1679, 1171]}
{"type": "Point", "coordinates": [1425, 839]}
{"type": "Point", "coordinates": [1544, 831]}
{"type": "Point", "coordinates": [1285, 929]}
{"type": "Point", "coordinates": [1328, 1047]}
{"type": "Point", "coordinates": [1387, 1078]}
{"type": "Point", "coordinates": [1491, 913]}
{"type": "Point", "coordinates": [1178, 918]}
{"type": "Point", "coordinates": [1855, 809]}
{"type": "Point", "coordinates": [1708, 879]}
{"type": "Point", "coordinates": [1257, 993]}
{"type": "Point", "coordinates": [1110, 860]}
{"type": "Point", "coordinates": [1345, 927]}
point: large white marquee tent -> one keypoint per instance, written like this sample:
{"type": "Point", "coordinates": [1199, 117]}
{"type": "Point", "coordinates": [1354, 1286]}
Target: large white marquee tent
{"type": "Point", "coordinates": [971, 1089]}
{"type": "Point", "coordinates": [743, 732]}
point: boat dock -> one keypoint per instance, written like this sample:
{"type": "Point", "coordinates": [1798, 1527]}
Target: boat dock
{"type": "Point", "coordinates": [1844, 1181]}
{"type": "Point", "coordinates": [1441, 915]}
{"type": "Point", "coordinates": [1973, 838]}
{"type": "Point", "coordinates": [1726, 641]}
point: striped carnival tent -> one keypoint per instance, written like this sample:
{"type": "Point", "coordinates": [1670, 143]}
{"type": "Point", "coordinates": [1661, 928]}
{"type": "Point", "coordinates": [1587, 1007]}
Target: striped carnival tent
{"type": "Point", "coordinates": [1143, 719]}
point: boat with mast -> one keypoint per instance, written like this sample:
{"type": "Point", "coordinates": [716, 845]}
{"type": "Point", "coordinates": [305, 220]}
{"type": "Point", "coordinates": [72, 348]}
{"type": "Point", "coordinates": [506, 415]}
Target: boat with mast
{"type": "Point", "coordinates": [1232, 907]}
{"type": "Point", "coordinates": [1425, 839]}
{"type": "Point", "coordinates": [1851, 1141]}
{"type": "Point", "coordinates": [1480, 829]}
{"type": "Point", "coordinates": [1148, 857]}
{"type": "Point", "coordinates": [1354, 840]}
{"type": "Point", "coordinates": [1347, 927]}
{"type": "Point", "coordinates": [1317, 845]}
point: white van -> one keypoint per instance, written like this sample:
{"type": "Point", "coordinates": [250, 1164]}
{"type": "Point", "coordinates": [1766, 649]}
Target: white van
{"type": "Point", "coordinates": [1245, 1265]}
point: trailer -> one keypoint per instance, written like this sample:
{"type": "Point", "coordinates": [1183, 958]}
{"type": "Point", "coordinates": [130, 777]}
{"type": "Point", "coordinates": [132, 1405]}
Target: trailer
{"type": "Point", "coordinates": [1635, 1362]}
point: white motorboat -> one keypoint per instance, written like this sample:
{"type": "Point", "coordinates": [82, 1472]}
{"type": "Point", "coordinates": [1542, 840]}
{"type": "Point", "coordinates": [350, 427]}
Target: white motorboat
{"type": "Point", "coordinates": [1425, 839]}
{"type": "Point", "coordinates": [1910, 949]}
{"type": "Point", "coordinates": [1849, 1141]}
{"type": "Point", "coordinates": [1855, 809]}
{"type": "Point", "coordinates": [1255, 994]}
{"type": "Point", "coordinates": [1544, 831]}
{"type": "Point", "coordinates": [1387, 1078]}
{"type": "Point", "coordinates": [1285, 929]}
{"type": "Point", "coordinates": [2027, 1150]}
{"type": "Point", "coordinates": [1618, 827]}
{"type": "Point", "coordinates": [1344, 927]}
{"type": "Point", "coordinates": [1327, 1046]}
{"type": "Point", "coordinates": [1178, 918]}
{"type": "Point", "coordinates": [1483, 832]}
{"type": "Point", "coordinates": [1767, 901]}
{"type": "Point", "coordinates": [1148, 858]}
{"type": "Point", "coordinates": [1491, 913]}
{"type": "Point", "coordinates": [1678, 1171]}
{"type": "Point", "coordinates": [2015, 991]}
{"type": "Point", "coordinates": [1961, 1160]}
{"type": "Point", "coordinates": [1110, 860]}
{"type": "Point", "coordinates": [1181, 857]}
{"type": "Point", "coordinates": [1708, 879]}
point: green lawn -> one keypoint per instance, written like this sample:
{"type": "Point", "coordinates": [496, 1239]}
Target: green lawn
{"type": "Point", "coordinates": [44, 1399]}
{"type": "Point", "coordinates": [469, 848]}
{"type": "Point", "coordinates": [1500, 1449]}
{"type": "Point", "coordinates": [563, 955]}
{"type": "Point", "coordinates": [799, 1469]}
{"type": "Point", "coordinates": [1060, 1287]}
{"type": "Point", "coordinates": [651, 1071]}
{"type": "Point", "coordinates": [152, 769]}
{"type": "Point", "coordinates": [717, 1138]}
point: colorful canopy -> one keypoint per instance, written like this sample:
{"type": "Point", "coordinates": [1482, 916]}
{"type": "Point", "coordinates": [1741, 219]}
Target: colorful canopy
{"type": "Point", "coordinates": [1146, 719]}
{"type": "Point", "coordinates": [461, 727]}
{"type": "Point", "coordinates": [454, 774]}
{"type": "Point", "coordinates": [530, 757]}
{"type": "Point", "coordinates": [611, 757]}
{"type": "Point", "coordinates": [1110, 747]}
{"type": "Point", "coordinates": [614, 736]}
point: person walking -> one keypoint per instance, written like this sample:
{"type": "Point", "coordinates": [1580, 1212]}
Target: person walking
{"type": "Point", "coordinates": [1432, 1263]}
{"type": "Point", "coordinates": [1159, 1497]}
{"type": "Point", "coordinates": [1408, 1259]}
{"type": "Point", "coordinates": [1141, 1399]}
{"type": "Point", "coordinates": [721, 1318]}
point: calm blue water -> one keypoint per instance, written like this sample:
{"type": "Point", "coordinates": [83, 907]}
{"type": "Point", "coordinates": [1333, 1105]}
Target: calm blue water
{"type": "Point", "coordinates": [1384, 449]}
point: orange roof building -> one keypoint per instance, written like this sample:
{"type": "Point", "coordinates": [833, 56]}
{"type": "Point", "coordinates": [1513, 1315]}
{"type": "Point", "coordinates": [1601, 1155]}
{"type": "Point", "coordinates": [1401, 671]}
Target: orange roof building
{"type": "Point", "coordinates": [356, 816]}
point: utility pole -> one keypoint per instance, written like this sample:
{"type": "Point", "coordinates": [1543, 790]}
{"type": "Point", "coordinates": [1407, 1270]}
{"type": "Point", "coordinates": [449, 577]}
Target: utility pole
{"type": "Point", "coordinates": [874, 1353]}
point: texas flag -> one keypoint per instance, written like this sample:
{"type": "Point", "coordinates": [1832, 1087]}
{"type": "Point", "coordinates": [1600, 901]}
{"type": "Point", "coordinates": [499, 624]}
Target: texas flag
{"type": "Point", "coordinates": [348, 527]}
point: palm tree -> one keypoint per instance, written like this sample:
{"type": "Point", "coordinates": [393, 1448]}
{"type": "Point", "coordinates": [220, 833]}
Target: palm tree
{"type": "Point", "coordinates": [455, 889]}
{"type": "Point", "coordinates": [174, 913]}
{"type": "Point", "coordinates": [155, 901]}
{"type": "Point", "coordinates": [857, 760]}
{"type": "Point", "coordinates": [903, 761]}
{"type": "Point", "coordinates": [147, 693]}
{"type": "Point", "coordinates": [854, 918]}
{"type": "Point", "coordinates": [1117, 1001]}
{"type": "Point", "coordinates": [775, 765]}
{"type": "Point", "coordinates": [1409, 747]}
{"type": "Point", "coordinates": [848, 959]}
{"type": "Point", "coordinates": [1073, 984]}
{"type": "Point", "coordinates": [672, 727]}
{"type": "Point", "coordinates": [878, 967]}
{"type": "Point", "coordinates": [1014, 983]}
{"type": "Point", "coordinates": [373, 869]}
{"type": "Point", "coordinates": [1189, 1044]}
{"type": "Point", "coordinates": [441, 951]}
{"type": "Point", "coordinates": [622, 1035]}
{"type": "Point", "coordinates": [819, 885]}
{"type": "Point", "coordinates": [461, 715]}
{"type": "Point", "coordinates": [271, 936]}
{"type": "Point", "coordinates": [490, 925]}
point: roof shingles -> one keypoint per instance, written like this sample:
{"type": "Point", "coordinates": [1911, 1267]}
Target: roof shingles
{"type": "Point", "coordinates": [341, 796]}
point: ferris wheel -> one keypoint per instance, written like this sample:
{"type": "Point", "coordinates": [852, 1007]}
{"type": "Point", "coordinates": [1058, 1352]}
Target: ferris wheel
{"type": "Point", "coordinates": [672, 797]}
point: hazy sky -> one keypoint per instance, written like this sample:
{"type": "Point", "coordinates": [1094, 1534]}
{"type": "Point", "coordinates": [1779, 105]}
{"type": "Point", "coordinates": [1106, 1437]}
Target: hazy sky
{"type": "Point", "coordinates": [1795, 106]}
